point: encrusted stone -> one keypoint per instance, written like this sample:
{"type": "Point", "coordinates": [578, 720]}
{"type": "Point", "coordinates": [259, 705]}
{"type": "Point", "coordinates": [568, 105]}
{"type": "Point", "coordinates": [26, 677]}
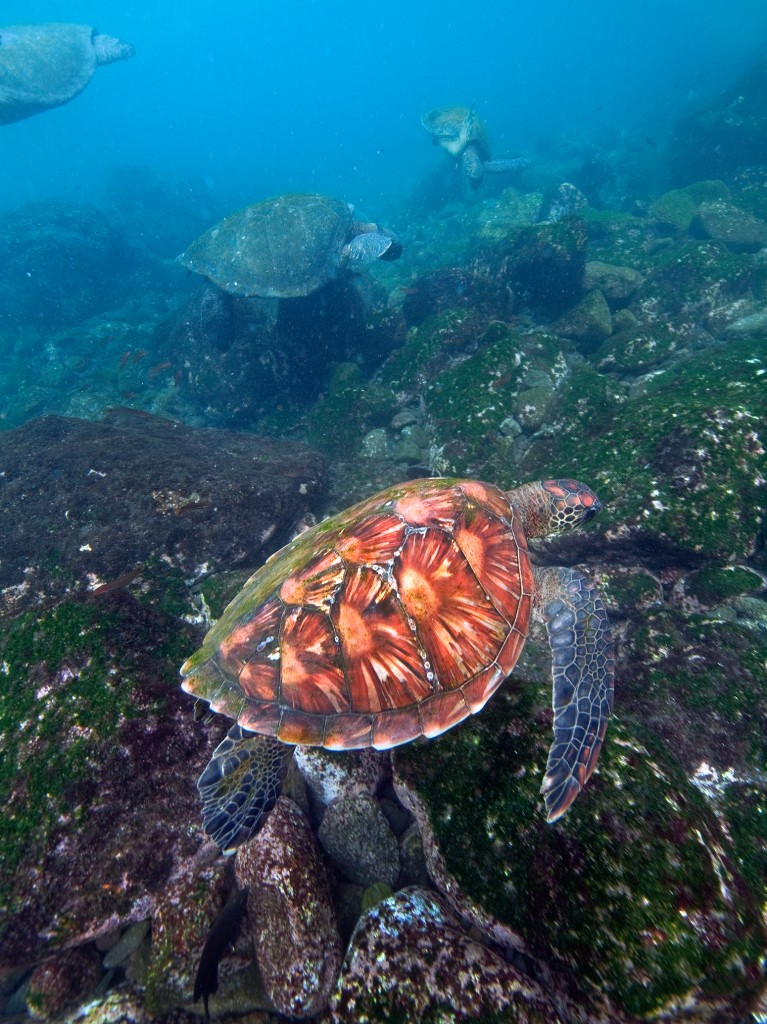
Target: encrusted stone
{"type": "Point", "coordinates": [410, 957]}
{"type": "Point", "coordinates": [357, 838]}
{"type": "Point", "coordinates": [290, 913]}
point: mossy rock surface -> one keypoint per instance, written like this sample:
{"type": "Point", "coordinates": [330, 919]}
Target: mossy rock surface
{"type": "Point", "coordinates": [634, 894]}
{"type": "Point", "coordinates": [97, 777]}
{"type": "Point", "coordinates": [680, 462]}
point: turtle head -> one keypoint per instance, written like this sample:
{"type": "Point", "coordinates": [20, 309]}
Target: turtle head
{"type": "Point", "coordinates": [553, 506]}
{"type": "Point", "coordinates": [108, 49]}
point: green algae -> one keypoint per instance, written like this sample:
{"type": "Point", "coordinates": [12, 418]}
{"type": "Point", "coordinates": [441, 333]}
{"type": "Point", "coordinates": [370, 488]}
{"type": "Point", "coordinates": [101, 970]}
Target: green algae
{"type": "Point", "coordinates": [71, 681]}
{"type": "Point", "coordinates": [720, 583]}
{"type": "Point", "coordinates": [646, 930]}
{"type": "Point", "coordinates": [682, 459]}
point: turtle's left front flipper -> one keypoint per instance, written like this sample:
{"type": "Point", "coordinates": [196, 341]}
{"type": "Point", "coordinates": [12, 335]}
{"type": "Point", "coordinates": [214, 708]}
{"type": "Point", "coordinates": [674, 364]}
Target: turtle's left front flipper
{"type": "Point", "coordinates": [240, 785]}
{"type": "Point", "coordinates": [583, 670]}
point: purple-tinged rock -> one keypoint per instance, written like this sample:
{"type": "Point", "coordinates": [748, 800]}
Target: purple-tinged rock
{"type": "Point", "coordinates": [409, 956]}
{"type": "Point", "coordinates": [290, 913]}
{"type": "Point", "coordinates": [180, 926]}
{"type": "Point", "coordinates": [60, 982]}
{"type": "Point", "coordinates": [87, 504]}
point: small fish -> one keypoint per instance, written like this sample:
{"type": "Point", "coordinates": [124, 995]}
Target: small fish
{"type": "Point", "coordinates": [158, 368]}
{"type": "Point", "coordinates": [125, 357]}
{"type": "Point", "coordinates": [138, 356]}
{"type": "Point", "coordinates": [222, 934]}
{"type": "Point", "coordinates": [121, 581]}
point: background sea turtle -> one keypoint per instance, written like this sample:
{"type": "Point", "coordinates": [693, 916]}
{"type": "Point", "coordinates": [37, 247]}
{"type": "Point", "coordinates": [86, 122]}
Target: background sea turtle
{"type": "Point", "coordinates": [395, 619]}
{"type": "Point", "coordinates": [287, 246]}
{"type": "Point", "coordinates": [43, 66]}
{"type": "Point", "coordinates": [461, 133]}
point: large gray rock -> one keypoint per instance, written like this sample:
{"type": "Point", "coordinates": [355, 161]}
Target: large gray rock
{"type": "Point", "coordinates": [43, 66]}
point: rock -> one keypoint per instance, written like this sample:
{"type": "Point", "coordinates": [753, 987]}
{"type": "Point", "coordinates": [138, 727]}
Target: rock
{"type": "Point", "coordinates": [63, 980]}
{"type": "Point", "coordinates": [544, 264]}
{"type": "Point", "coordinates": [530, 407]}
{"type": "Point", "coordinates": [409, 958]}
{"type": "Point", "coordinates": [180, 925]}
{"type": "Point", "coordinates": [60, 263]}
{"type": "Point", "coordinates": [674, 926]}
{"type": "Point", "coordinates": [452, 288]}
{"type": "Point", "coordinates": [357, 838]}
{"type": "Point", "coordinates": [754, 323]}
{"type": "Point", "coordinates": [737, 229]}
{"type": "Point", "coordinates": [680, 458]}
{"type": "Point", "coordinates": [618, 285]}
{"type": "Point", "coordinates": [725, 135]}
{"type": "Point", "coordinates": [589, 322]}
{"type": "Point", "coordinates": [118, 1007]}
{"type": "Point", "coordinates": [331, 774]}
{"type": "Point", "coordinates": [290, 913]}
{"type": "Point", "coordinates": [88, 504]}
{"type": "Point", "coordinates": [100, 758]}
{"type": "Point", "coordinates": [127, 944]}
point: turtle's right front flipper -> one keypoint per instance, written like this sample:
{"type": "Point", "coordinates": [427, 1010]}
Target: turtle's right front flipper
{"type": "Point", "coordinates": [583, 670]}
{"type": "Point", "coordinates": [240, 785]}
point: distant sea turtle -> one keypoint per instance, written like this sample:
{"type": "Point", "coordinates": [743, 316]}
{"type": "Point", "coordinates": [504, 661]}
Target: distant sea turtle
{"type": "Point", "coordinates": [287, 246]}
{"type": "Point", "coordinates": [43, 66]}
{"type": "Point", "coordinates": [461, 133]}
{"type": "Point", "coordinates": [396, 619]}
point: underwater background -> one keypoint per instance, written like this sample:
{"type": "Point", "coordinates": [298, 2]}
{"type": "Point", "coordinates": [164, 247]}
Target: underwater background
{"type": "Point", "coordinates": [595, 309]}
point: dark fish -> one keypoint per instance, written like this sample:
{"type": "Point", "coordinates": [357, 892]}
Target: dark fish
{"type": "Point", "coordinates": [222, 934]}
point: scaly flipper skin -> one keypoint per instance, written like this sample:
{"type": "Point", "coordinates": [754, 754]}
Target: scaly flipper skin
{"type": "Point", "coordinates": [583, 673]}
{"type": "Point", "coordinates": [240, 785]}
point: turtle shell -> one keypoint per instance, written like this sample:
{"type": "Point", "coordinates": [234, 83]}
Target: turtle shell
{"type": "Point", "coordinates": [395, 619]}
{"type": "Point", "coordinates": [284, 247]}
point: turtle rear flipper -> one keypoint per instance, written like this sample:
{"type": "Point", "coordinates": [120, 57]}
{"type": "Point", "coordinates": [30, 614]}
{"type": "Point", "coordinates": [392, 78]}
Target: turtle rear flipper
{"type": "Point", "coordinates": [240, 785]}
{"type": "Point", "coordinates": [583, 672]}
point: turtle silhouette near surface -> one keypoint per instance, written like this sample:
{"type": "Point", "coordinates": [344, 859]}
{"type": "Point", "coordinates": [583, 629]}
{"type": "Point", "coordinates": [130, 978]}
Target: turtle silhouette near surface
{"type": "Point", "coordinates": [461, 133]}
{"type": "Point", "coordinates": [287, 246]}
{"type": "Point", "coordinates": [45, 66]}
{"type": "Point", "coordinates": [396, 619]}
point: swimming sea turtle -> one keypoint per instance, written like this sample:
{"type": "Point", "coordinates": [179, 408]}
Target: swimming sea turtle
{"type": "Point", "coordinates": [287, 246]}
{"type": "Point", "coordinates": [43, 66]}
{"type": "Point", "coordinates": [461, 133]}
{"type": "Point", "coordinates": [396, 619]}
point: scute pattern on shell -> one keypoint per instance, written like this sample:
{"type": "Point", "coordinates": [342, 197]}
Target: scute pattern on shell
{"type": "Point", "coordinates": [397, 618]}
{"type": "Point", "coordinates": [284, 247]}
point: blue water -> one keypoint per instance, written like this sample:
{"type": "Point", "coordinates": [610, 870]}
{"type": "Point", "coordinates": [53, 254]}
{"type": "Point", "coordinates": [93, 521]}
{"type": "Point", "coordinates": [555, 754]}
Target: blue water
{"type": "Point", "coordinates": [259, 98]}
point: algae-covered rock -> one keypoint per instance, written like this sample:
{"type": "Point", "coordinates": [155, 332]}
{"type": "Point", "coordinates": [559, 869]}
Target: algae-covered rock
{"type": "Point", "coordinates": [617, 284]}
{"type": "Point", "coordinates": [635, 893]}
{"type": "Point", "coordinates": [736, 228]}
{"type": "Point", "coordinates": [589, 322]}
{"type": "Point", "coordinates": [90, 503]}
{"type": "Point", "coordinates": [679, 463]}
{"type": "Point", "coordinates": [291, 917]}
{"type": "Point", "coordinates": [180, 926]}
{"type": "Point", "coordinates": [545, 264]}
{"type": "Point", "coordinates": [409, 959]}
{"type": "Point", "coordinates": [97, 777]}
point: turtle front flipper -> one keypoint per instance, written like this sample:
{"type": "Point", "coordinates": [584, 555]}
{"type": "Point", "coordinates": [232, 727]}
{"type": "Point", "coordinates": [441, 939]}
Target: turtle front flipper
{"type": "Point", "coordinates": [240, 785]}
{"type": "Point", "coordinates": [583, 670]}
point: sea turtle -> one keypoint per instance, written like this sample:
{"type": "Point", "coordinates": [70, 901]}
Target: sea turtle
{"type": "Point", "coordinates": [43, 66]}
{"type": "Point", "coordinates": [461, 133]}
{"type": "Point", "coordinates": [396, 619]}
{"type": "Point", "coordinates": [287, 246]}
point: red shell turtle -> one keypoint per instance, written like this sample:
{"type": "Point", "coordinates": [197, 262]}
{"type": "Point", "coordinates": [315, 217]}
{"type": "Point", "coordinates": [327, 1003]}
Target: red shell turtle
{"type": "Point", "coordinates": [395, 619]}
